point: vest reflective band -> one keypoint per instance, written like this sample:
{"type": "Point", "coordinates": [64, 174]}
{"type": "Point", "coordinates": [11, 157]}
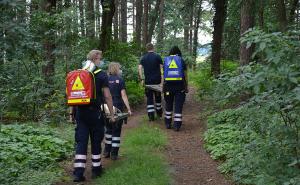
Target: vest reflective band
{"type": "Point", "coordinates": [172, 79]}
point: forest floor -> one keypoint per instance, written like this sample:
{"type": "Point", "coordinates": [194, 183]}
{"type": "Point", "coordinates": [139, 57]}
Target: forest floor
{"type": "Point", "coordinates": [189, 163]}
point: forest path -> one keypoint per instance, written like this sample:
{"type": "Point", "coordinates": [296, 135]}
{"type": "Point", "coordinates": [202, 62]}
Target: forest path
{"type": "Point", "coordinates": [189, 162]}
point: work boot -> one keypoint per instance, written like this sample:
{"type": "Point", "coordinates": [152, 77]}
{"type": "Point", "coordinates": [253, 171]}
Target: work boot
{"type": "Point", "coordinates": [114, 157]}
{"type": "Point", "coordinates": [98, 173]}
{"type": "Point", "coordinates": [78, 178]}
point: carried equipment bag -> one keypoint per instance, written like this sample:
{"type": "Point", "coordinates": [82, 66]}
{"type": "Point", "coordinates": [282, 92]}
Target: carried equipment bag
{"type": "Point", "coordinates": [81, 87]}
{"type": "Point", "coordinates": [173, 70]}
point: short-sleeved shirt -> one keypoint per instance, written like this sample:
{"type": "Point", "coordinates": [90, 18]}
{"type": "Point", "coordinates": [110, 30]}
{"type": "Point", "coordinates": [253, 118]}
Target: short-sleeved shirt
{"type": "Point", "coordinates": [151, 63]}
{"type": "Point", "coordinates": [116, 84]}
{"type": "Point", "coordinates": [175, 86]}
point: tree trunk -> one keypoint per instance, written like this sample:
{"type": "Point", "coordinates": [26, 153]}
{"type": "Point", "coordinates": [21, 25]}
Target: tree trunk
{"type": "Point", "coordinates": [133, 15]}
{"type": "Point", "coordinates": [98, 17]}
{"type": "Point", "coordinates": [116, 21]}
{"type": "Point", "coordinates": [187, 7]}
{"type": "Point", "coordinates": [123, 20]}
{"type": "Point", "coordinates": [191, 30]}
{"type": "Point", "coordinates": [49, 6]}
{"type": "Point", "coordinates": [90, 15]}
{"type": "Point", "coordinates": [108, 7]}
{"type": "Point", "coordinates": [247, 22]}
{"type": "Point", "coordinates": [197, 24]}
{"type": "Point", "coordinates": [281, 15]}
{"type": "Point", "coordinates": [81, 13]}
{"type": "Point", "coordinates": [295, 4]}
{"type": "Point", "coordinates": [218, 22]}
{"type": "Point", "coordinates": [160, 35]}
{"type": "Point", "coordinates": [145, 23]}
{"type": "Point", "coordinates": [261, 14]}
{"type": "Point", "coordinates": [138, 30]}
{"type": "Point", "coordinates": [153, 20]}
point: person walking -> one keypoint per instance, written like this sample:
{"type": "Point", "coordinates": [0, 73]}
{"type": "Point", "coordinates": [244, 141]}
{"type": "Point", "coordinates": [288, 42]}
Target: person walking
{"type": "Point", "coordinates": [151, 65]}
{"type": "Point", "coordinates": [90, 121]}
{"type": "Point", "coordinates": [113, 130]}
{"type": "Point", "coordinates": [174, 87]}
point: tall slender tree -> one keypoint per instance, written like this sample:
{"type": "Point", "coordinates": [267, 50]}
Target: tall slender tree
{"type": "Point", "coordinates": [220, 7]}
{"type": "Point", "coordinates": [81, 15]}
{"type": "Point", "coordinates": [247, 22]}
{"type": "Point", "coordinates": [160, 35]}
{"type": "Point", "coordinates": [281, 14]}
{"type": "Point", "coordinates": [138, 30]}
{"type": "Point", "coordinates": [294, 6]}
{"type": "Point", "coordinates": [49, 6]}
{"type": "Point", "coordinates": [116, 20]}
{"type": "Point", "coordinates": [197, 25]}
{"type": "Point", "coordinates": [153, 20]}
{"type": "Point", "coordinates": [123, 20]}
{"type": "Point", "coordinates": [145, 22]}
{"type": "Point", "coordinates": [90, 14]}
{"type": "Point", "coordinates": [108, 7]}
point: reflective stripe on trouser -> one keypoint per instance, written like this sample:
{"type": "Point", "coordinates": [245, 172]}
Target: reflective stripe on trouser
{"type": "Point", "coordinates": [178, 98]}
{"type": "Point", "coordinates": [89, 124]}
{"type": "Point", "coordinates": [158, 106]}
{"type": "Point", "coordinates": [113, 132]}
{"type": "Point", "coordinates": [168, 118]}
{"type": "Point", "coordinates": [151, 109]}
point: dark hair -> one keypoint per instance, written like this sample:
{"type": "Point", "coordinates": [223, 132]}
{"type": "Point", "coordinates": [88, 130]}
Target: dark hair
{"type": "Point", "coordinates": [175, 51]}
{"type": "Point", "coordinates": [149, 46]}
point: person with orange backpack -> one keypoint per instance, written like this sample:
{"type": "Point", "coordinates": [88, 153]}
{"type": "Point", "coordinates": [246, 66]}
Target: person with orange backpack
{"type": "Point", "coordinates": [84, 91]}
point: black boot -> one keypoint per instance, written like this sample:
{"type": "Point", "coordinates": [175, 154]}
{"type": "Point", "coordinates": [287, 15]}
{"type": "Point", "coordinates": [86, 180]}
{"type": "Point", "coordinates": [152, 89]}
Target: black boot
{"type": "Point", "coordinates": [106, 153]}
{"type": "Point", "coordinates": [78, 178]}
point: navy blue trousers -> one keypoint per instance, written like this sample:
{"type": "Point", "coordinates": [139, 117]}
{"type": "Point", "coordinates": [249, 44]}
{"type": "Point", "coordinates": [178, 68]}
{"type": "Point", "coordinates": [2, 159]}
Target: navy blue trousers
{"type": "Point", "coordinates": [90, 124]}
{"type": "Point", "coordinates": [151, 107]}
{"type": "Point", "coordinates": [177, 100]}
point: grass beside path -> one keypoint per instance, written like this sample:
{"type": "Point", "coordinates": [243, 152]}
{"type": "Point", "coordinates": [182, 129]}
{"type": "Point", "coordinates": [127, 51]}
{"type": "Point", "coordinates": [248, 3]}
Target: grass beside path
{"type": "Point", "coordinates": [142, 161]}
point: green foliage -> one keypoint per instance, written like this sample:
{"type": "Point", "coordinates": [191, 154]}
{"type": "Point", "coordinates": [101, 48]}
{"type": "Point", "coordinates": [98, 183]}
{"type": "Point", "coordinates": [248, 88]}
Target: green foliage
{"type": "Point", "coordinates": [143, 163]}
{"type": "Point", "coordinates": [135, 93]}
{"type": "Point", "coordinates": [202, 79]}
{"type": "Point", "coordinates": [259, 140]}
{"type": "Point", "coordinates": [31, 148]}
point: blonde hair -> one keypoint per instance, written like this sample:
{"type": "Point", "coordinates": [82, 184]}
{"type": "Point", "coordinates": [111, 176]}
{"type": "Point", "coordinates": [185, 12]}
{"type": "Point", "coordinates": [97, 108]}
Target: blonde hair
{"type": "Point", "coordinates": [114, 68]}
{"type": "Point", "coordinates": [93, 53]}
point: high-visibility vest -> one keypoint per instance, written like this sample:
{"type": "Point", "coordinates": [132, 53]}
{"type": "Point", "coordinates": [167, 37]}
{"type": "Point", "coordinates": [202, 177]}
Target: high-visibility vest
{"type": "Point", "coordinates": [173, 69]}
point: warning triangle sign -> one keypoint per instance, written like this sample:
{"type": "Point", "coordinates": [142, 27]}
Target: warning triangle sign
{"type": "Point", "coordinates": [78, 84]}
{"type": "Point", "coordinates": [173, 65]}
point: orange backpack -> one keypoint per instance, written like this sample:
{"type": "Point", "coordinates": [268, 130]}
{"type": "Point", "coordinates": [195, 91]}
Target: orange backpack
{"type": "Point", "coordinates": [81, 87]}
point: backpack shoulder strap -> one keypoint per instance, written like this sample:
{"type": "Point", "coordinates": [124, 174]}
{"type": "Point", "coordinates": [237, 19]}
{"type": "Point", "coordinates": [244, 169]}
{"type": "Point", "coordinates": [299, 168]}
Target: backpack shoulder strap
{"type": "Point", "coordinates": [97, 71]}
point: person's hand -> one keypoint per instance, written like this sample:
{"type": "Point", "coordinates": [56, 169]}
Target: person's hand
{"type": "Point", "coordinates": [186, 90]}
{"type": "Point", "coordinates": [112, 119]}
{"type": "Point", "coordinates": [129, 112]}
{"type": "Point", "coordinates": [71, 118]}
{"type": "Point", "coordinates": [142, 82]}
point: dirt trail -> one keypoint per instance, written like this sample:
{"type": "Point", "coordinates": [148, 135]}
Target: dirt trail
{"type": "Point", "coordinates": [190, 163]}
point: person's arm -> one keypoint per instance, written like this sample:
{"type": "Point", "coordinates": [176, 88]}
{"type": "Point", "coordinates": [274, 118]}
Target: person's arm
{"type": "Point", "coordinates": [140, 69]}
{"type": "Point", "coordinates": [108, 100]}
{"type": "Point", "coordinates": [162, 74]}
{"type": "Point", "coordinates": [125, 100]}
{"type": "Point", "coordinates": [186, 81]}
